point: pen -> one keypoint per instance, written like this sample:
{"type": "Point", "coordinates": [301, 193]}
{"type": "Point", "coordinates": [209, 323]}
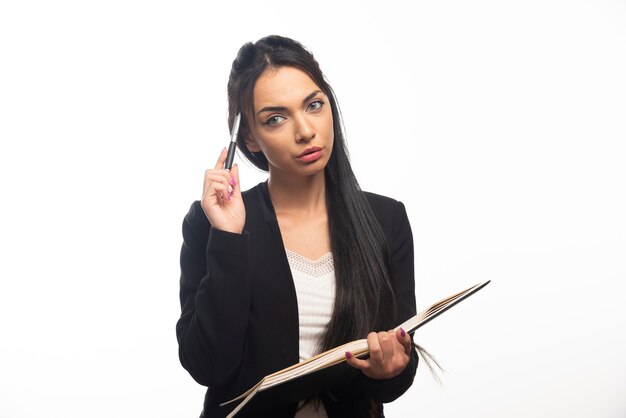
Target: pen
{"type": "Point", "coordinates": [233, 142]}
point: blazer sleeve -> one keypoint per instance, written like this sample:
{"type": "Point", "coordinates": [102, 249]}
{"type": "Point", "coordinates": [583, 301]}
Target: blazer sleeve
{"type": "Point", "coordinates": [403, 281]}
{"type": "Point", "coordinates": [215, 291]}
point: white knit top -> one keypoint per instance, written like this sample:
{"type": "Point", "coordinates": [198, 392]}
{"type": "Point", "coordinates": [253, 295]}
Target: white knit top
{"type": "Point", "coordinates": [315, 289]}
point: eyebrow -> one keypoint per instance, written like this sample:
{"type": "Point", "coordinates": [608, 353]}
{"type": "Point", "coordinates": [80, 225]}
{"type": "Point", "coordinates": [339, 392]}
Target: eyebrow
{"type": "Point", "coordinates": [283, 108]}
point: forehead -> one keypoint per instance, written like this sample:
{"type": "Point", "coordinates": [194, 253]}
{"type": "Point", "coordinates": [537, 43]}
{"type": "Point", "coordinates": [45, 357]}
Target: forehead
{"type": "Point", "coordinates": [282, 86]}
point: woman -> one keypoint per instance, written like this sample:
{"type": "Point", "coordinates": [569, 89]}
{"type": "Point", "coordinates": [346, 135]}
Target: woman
{"type": "Point", "coordinates": [253, 300]}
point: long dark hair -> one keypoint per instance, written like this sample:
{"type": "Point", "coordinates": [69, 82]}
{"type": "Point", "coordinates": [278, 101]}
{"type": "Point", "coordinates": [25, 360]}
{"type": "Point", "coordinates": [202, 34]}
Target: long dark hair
{"type": "Point", "coordinates": [364, 299]}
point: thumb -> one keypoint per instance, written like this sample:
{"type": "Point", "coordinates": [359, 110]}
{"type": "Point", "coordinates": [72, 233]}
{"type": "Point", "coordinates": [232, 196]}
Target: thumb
{"type": "Point", "coordinates": [405, 339]}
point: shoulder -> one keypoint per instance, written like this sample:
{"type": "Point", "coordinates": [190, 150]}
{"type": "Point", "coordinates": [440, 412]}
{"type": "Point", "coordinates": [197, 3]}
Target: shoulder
{"type": "Point", "coordinates": [383, 205]}
{"type": "Point", "coordinates": [255, 193]}
{"type": "Point", "coordinates": [390, 214]}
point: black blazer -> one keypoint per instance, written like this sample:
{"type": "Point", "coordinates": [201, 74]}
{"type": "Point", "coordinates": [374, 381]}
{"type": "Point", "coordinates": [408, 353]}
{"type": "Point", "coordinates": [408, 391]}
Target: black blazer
{"type": "Point", "coordinates": [239, 319]}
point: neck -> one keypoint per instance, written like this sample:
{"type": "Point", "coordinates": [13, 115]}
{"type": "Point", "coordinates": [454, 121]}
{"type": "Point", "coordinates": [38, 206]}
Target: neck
{"type": "Point", "coordinates": [298, 195]}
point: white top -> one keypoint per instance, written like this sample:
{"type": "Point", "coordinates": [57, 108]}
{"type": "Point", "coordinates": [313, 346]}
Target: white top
{"type": "Point", "coordinates": [315, 289]}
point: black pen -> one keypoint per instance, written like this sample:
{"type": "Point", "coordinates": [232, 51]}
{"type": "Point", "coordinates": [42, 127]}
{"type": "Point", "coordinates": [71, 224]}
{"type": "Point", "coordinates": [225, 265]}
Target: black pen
{"type": "Point", "coordinates": [233, 143]}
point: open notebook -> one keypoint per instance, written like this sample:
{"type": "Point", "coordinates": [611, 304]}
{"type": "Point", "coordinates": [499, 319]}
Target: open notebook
{"type": "Point", "coordinates": [359, 348]}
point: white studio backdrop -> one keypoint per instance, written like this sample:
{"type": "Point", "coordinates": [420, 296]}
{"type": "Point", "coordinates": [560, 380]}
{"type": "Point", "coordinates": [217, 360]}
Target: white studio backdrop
{"type": "Point", "coordinates": [500, 125]}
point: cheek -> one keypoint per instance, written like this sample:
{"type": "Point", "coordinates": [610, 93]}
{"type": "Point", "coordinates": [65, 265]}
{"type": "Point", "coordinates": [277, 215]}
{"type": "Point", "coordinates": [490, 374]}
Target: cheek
{"type": "Point", "coordinates": [330, 119]}
{"type": "Point", "coordinates": [273, 151]}
{"type": "Point", "coordinates": [330, 129]}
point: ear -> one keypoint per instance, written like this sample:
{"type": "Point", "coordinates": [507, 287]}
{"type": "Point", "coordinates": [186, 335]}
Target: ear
{"type": "Point", "coordinates": [250, 142]}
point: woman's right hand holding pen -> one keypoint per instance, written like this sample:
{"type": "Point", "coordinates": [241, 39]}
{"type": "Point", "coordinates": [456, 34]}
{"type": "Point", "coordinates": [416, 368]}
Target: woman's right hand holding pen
{"type": "Point", "coordinates": [221, 197]}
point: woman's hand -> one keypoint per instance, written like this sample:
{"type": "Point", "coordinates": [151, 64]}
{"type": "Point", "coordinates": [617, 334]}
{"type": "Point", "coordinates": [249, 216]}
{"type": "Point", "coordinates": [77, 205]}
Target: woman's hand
{"type": "Point", "coordinates": [389, 354]}
{"type": "Point", "coordinates": [221, 197]}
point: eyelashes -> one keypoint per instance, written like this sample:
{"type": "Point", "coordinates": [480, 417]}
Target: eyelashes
{"type": "Point", "coordinates": [318, 105]}
{"type": "Point", "coordinates": [275, 120]}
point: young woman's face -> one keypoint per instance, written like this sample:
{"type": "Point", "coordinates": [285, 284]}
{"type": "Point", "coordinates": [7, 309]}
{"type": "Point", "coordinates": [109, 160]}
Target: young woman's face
{"type": "Point", "coordinates": [293, 122]}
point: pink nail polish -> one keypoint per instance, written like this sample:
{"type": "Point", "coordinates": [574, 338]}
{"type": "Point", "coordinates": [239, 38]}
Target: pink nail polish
{"type": "Point", "coordinates": [348, 355]}
{"type": "Point", "coordinates": [402, 332]}
{"type": "Point", "coordinates": [232, 182]}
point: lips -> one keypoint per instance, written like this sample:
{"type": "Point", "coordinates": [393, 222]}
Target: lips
{"type": "Point", "coordinates": [310, 154]}
{"type": "Point", "coordinates": [309, 151]}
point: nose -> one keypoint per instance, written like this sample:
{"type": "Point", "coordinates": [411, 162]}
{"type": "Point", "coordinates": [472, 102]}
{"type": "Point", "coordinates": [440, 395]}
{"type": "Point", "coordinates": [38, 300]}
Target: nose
{"type": "Point", "coordinates": [305, 131]}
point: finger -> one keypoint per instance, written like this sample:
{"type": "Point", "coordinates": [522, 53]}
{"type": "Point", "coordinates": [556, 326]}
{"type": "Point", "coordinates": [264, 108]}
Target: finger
{"type": "Point", "coordinates": [356, 362]}
{"type": "Point", "coordinates": [386, 341]}
{"type": "Point", "coordinates": [221, 160]}
{"type": "Point", "coordinates": [214, 177]}
{"type": "Point", "coordinates": [228, 179]}
{"type": "Point", "coordinates": [224, 177]}
{"type": "Point", "coordinates": [405, 340]}
{"type": "Point", "coordinates": [376, 351]}
{"type": "Point", "coordinates": [234, 179]}
{"type": "Point", "coordinates": [216, 185]}
{"type": "Point", "coordinates": [207, 183]}
{"type": "Point", "coordinates": [219, 185]}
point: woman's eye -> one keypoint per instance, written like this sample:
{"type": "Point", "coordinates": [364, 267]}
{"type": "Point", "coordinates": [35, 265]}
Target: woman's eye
{"type": "Point", "coordinates": [273, 120]}
{"type": "Point", "coordinates": [316, 105]}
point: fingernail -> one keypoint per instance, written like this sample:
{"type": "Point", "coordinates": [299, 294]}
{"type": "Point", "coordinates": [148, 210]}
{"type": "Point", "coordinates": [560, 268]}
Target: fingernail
{"type": "Point", "coordinates": [348, 355]}
{"type": "Point", "coordinates": [228, 196]}
{"type": "Point", "coordinates": [232, 181]}
{"type": "Point", "coordinates": [402, 332]}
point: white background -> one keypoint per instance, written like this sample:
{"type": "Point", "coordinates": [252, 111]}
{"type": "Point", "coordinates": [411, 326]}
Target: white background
{"type": "Point", "coordinates": [500, 125]}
